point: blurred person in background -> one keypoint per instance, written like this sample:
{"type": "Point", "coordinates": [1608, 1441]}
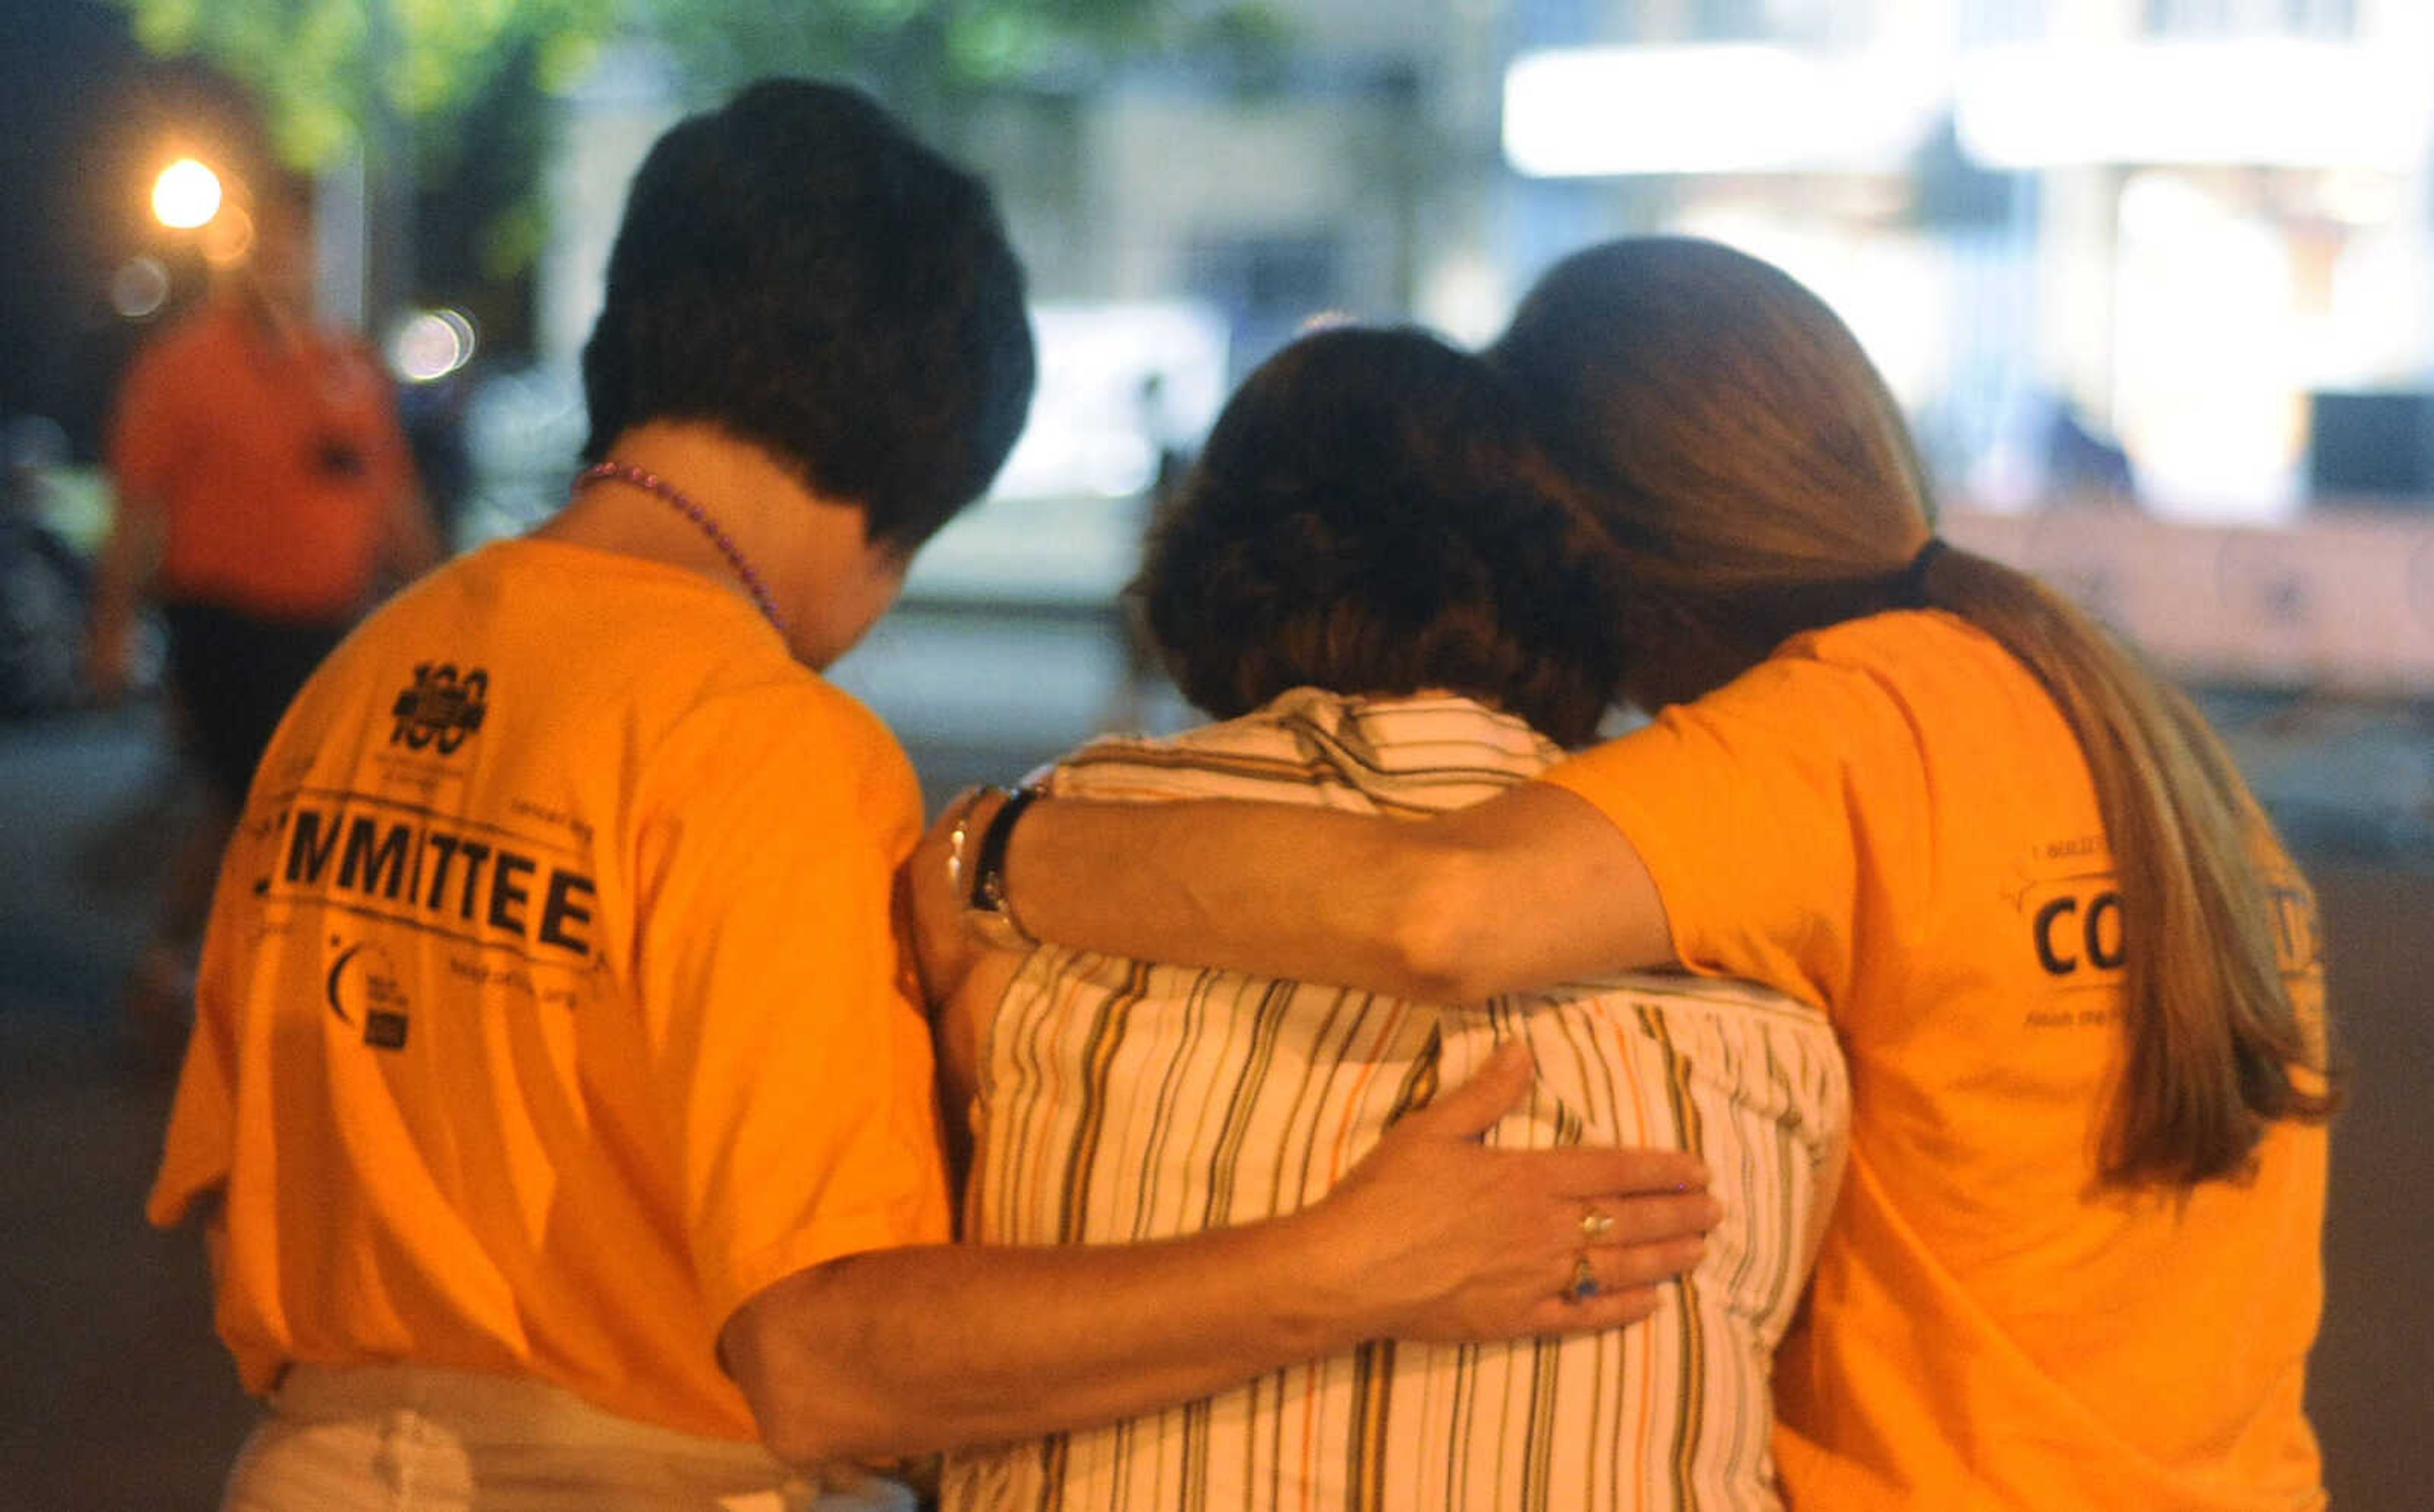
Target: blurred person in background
{"type": "Point", "coordinates": [2077, 1258]}
{"type": "Point", "coordinates": [559, 1112]}
{"type": "Point", "coordinates": [1376, 580]}
{"type": "Point", "coordinates": [265, 497]}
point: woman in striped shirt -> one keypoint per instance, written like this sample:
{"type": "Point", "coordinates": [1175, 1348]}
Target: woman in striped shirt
{"type": "Point", "coordinates": [1380, 587]}
{"type": "Point", "coordinates": [2075, 1262]}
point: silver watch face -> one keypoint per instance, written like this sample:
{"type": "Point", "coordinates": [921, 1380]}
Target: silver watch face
{"type": "Point", "coordinates": [997, 928]}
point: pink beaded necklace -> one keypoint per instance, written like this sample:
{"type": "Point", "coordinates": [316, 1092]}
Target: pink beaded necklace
{"type": "Point", "coordinates": [651, 483]}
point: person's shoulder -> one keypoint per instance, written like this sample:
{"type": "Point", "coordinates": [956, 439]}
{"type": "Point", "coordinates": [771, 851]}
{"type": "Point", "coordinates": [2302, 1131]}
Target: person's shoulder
{"type": "Point", "coordinates": [1132, 765]}
{"type": "Point", "coordinates": [1894, 639]}
{"type": "Point", "coordinates": [783, 742]}
{"type": "Point", "coordinates": [769, 699]}
{"type": "Point", "coordinates": [348, 353]}
{"type": "Point", "coordinates": [1904, 657]}
{"type": "Point", "coordinates": [677, 660]}
{"type": "Point", "coordinates": [1402, 752]}
{"type": "Point", "coordinates": [1879, 696]}
{"type": "Point", "coordinates": [1925, 702]}
{"type": "Point", "coordinates": [841, 716]}
{"type": "Point", "coordinates": [789, 705]}
{"type": "Point", "coordinates": [840, 743]}
{"type": "Point", "coordinates": [199, 337]}
{"type": "Point", "coordinates": [1257, 748]}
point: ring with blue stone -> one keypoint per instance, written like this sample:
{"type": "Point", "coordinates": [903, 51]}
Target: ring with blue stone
{"type": "Point", "coordinates": [1584, 1282]}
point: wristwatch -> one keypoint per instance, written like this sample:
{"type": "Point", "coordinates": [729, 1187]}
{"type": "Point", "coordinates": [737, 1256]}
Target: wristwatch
{"type": "Point", "coordinates": [987, 912]}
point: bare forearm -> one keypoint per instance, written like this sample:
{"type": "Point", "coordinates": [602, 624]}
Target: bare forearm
{"type": "Point", "coordinates": [981, 1344]}
{"type": "Point", "coordinates": [1201, 882]}
{"type": "Point", "coordinates": [1432, 1236]}
{"type": "Point", "coordinates": [1529, 890]}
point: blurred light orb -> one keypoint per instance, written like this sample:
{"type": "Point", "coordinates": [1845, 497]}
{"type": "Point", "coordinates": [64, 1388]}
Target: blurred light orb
{"type": "Point", "coordinates": [186, 195]}
{"type": "Point", "coordinates": [139, 288]}
{"type": "Point", "coordinates": [226, 239]}
{"type": "Point", "coordinates": [430, 345]}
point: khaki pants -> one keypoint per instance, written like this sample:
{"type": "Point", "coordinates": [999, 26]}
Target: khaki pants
{"type": "Point", "coordinates": [406, 1438]}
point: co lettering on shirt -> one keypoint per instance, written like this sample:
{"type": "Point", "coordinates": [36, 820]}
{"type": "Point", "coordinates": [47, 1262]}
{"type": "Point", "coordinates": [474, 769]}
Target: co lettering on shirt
{"type": "Point", "coordinates": [2077, 932]}
{"type": "Point", "coordinates": [2080, 930]}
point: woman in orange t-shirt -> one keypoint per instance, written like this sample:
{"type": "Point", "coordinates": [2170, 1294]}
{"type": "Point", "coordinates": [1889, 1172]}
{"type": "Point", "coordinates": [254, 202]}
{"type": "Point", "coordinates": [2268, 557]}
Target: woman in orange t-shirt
{"type": "Point", "coordinates": [2075, 1263]}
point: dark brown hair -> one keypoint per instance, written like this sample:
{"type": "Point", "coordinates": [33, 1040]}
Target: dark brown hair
{"type": "Point", "coordinates": [1736, 442]}
{"type": "Point", "coordinates": [1371, 515]}
{"type": "Point", "coordinates": [797, 270]}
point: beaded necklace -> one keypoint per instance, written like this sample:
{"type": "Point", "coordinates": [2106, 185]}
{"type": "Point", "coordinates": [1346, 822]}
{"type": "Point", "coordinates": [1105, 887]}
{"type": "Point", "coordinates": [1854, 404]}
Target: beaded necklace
{"type": "Point", "coordinates": [651, 483]}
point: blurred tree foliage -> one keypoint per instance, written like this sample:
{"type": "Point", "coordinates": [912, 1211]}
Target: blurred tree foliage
{"type": "Point", "coordinates": [469, 79]}
{"type": "Point", "coordinates": [310, 60]}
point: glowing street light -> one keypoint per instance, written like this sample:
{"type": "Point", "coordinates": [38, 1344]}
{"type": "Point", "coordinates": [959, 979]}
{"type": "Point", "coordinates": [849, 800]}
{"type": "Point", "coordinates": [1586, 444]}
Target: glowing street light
{"type": "Point", "coordinates": [430, 345]}
{"type": "Point", "coordinates": [186, 195]}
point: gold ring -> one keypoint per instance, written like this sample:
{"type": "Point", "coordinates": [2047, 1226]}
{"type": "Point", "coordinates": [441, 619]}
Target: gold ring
{"type": "Point", "coordinates": [1584, 1282]}
{"type": "Point", "coordinates": [1596, 1225]}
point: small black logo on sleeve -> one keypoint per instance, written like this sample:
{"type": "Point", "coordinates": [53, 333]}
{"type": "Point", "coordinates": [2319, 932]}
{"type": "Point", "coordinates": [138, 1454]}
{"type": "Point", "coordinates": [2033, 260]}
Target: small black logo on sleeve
{"type": "Point", "coordinates": [363, 990]}
{"type": "Point", "coordinates": [441, 708]}
{"type": "Point", "coordinates": [385, 1030]}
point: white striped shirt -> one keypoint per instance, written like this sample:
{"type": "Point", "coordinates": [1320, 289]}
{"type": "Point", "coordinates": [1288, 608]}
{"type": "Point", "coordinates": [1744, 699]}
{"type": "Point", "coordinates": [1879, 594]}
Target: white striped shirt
{"type": "Point", "coordinates": [1120, 1101]}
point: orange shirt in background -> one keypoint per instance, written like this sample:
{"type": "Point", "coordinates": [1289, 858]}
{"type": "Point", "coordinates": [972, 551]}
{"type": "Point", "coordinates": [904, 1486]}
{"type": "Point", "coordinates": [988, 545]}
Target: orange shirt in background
{"type": "Point", "coordinates": [276, 464]}
{"type": "Point", "coordinates": [1889, 818]}
{"type": "Point", "coordinates": [550, 1005]}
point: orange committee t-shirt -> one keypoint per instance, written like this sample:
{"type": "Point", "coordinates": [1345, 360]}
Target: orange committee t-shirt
{"type": "Point", "coordinates": [1889, 818]}
{"type": "Point", "coordinates": [550, 1005]}
{"type": "Point", "coordinates": [275, 462]}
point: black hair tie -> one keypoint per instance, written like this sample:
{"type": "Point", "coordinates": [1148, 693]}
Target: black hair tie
{"type": "Point", "coordinates": [1910, 586]}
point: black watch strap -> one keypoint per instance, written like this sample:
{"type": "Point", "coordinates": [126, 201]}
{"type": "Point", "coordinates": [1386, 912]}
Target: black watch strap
{"type": "Point", "coordinates": [988, 865]}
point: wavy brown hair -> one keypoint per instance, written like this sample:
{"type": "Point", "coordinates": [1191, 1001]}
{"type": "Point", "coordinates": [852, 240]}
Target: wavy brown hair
{"type": "Point", "coordinates": [1760, 480]}
{"type": "Point", "coordinates": [1372, 515]}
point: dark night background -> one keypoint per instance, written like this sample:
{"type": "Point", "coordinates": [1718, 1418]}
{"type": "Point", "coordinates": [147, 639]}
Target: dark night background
{"type": "Point", "coordinates": [87, 119]}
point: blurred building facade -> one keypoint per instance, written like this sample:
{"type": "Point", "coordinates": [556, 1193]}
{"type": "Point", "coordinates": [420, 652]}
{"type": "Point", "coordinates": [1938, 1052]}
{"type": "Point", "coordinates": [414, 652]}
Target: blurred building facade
{"type": "Point", "coordinates": [2174, 255]}
{"type": "Point", "coordinates": [2165, 223]}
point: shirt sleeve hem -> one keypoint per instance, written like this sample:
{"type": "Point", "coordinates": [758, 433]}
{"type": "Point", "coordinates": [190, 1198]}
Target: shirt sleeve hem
{"type": "Point", "coordinates": [833, 1239]}
{"type": "Point", "coordinates": [1611, 795]}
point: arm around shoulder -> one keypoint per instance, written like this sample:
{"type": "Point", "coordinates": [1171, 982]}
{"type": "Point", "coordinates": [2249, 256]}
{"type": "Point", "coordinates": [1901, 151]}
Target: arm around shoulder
{"type": "Point", "coordinates": [1432, 1237]}
{"type": "Point", "coordinates": [1532, 888]}
{"type": "Point", "coordinates": [911, 1350]}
